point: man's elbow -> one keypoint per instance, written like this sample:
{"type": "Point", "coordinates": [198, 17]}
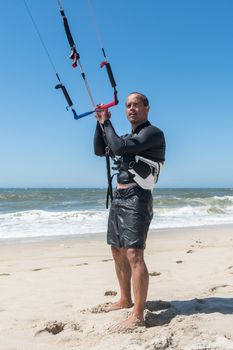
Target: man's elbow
{"type": "Point", "coordinates": [118, 150]}
{"type": "Point", "coordinates": [99, 153]}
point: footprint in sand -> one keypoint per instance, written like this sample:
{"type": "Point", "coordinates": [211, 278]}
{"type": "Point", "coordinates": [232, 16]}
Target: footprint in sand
{"type": "Point", "coordinates": [189, 251]}
{"type": "Point", "coordinates": [106, 260]}
{"type": "Point", "coordinates": [81, 264]}
{"type": "Point", "coordinates": [198, 244]}
{"type": "Point", "coordinates": [65, 246]}
{"type": "Point", "coordinates": [110, 293]}
{"type": "Point", "coordinates": [40, 268]}
{"type": "Point", "coordinates": [179, 261]}
{"type": "Point", "coordinates": [214, 289]}
{"type": "Point", "coordinates": [56, 327]}
{"type": "Point", "coordinates": [154, 273]}
{"type": "Point", "coordinates": [101, 308]}
{"type": "Point", "coordinates": [4, 274]}
{"type": "Point", "coordinates": [53, 327]}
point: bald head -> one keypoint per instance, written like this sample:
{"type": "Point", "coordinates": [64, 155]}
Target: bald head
{"type": "Point", "coordinates": [137, 108]}
{"type": "Point", "coordinates": [144, 99]}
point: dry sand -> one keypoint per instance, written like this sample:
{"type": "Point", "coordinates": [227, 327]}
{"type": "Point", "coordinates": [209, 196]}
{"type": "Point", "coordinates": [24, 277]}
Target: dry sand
{"type": "Point", "coordinates": [52, 292]}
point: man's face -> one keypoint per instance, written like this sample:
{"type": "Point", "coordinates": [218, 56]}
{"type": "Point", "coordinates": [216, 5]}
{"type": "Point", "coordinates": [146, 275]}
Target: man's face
{"type": "Point", "coordinates": [135, 110]}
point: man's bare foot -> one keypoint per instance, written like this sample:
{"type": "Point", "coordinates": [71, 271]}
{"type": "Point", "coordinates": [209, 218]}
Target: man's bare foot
{"type": "Point", "coordinates": [119, 305]}
{"type": "Point", "coordinates": [107, 307]}
{"type": "Point", "coordinates": [129, 325]}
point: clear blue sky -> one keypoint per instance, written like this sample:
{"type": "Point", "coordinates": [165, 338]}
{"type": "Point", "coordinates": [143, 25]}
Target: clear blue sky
{"type": "Point", "coordinates": [177, 52]}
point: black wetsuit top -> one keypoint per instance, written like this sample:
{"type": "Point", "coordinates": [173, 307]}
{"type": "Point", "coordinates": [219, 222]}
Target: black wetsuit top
{"type": "Point", "coordinates": [146, 141]}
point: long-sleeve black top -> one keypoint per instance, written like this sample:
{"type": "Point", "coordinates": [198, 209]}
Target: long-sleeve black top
{"type": "Point", "coordinates": [146, 141]}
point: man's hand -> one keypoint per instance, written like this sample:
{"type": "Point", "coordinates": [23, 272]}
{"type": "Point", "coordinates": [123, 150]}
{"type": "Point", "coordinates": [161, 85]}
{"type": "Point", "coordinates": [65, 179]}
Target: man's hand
{"type": "Point", "coordinates": [103, 115]}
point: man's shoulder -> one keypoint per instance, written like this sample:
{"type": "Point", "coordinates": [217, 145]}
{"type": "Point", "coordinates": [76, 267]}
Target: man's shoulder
{"type": "Point", "coordinates": [126, 136]}
{"type": "Point", "coordinates": [152, 129]}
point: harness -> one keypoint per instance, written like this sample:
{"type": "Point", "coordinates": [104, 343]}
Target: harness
{"type": "Point", "coordinates": [143, 171]}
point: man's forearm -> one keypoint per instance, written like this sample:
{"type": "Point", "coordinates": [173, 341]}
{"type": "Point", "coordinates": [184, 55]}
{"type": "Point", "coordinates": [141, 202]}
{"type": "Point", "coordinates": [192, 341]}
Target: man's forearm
{"type": "Point", "coordinates": [99, 144]}
{"type": "Point", "coordinates": [115, 142]}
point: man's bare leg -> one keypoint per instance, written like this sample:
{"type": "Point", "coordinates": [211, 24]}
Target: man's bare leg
{"type": "Point", "coordinates": [123, 272]}
{"type": "Point", "coordinates": [140, 279]}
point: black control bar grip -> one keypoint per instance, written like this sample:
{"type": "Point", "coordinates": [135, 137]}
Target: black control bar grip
{"type": "Point", "coordinates": [65, 93]}
{"type": "Point", "coordinates": [110, 75]}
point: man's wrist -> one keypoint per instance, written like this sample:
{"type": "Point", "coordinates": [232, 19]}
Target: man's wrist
{"type": "Point", "coordinates": [106, 122]}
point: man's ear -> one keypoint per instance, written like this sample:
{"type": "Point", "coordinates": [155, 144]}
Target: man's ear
{"type": "Point", "coordinates": [147, 109]}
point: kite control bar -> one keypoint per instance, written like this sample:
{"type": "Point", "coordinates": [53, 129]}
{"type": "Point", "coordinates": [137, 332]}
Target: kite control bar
{"type": "Point", "coordinates": [113, 83]}
{"type": "Point", "coordinates": [75, 56]}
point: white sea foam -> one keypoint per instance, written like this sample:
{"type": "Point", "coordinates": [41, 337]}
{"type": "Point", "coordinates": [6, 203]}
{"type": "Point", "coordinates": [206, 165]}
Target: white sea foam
{"type": "Point", "coordinates": [41, 223]}
{"type": "Point", "coordinates": [51, 212]}
{"type": "Point", "coordinates": [188, 216]}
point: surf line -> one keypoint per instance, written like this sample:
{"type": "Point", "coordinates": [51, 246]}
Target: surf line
{"type": "Point", "coordinates": [76, 62]}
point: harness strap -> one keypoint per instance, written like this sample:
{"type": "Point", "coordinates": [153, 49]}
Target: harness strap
{"type": "Point", "coordinates": [109, 177]}
{"type": "Point", "coordinates": [108, 192]}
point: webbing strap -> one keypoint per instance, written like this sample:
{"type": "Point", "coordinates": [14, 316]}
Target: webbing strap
{"type": "Point", "coordinates": [109, 177]}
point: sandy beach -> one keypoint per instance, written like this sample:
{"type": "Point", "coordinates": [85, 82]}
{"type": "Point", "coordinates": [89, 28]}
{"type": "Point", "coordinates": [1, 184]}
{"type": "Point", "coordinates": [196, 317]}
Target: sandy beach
{"type": "Point", "coordinates": [53, 292]}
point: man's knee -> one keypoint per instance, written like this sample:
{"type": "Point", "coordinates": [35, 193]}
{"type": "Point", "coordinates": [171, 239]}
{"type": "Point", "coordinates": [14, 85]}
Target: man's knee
{"type": "Point", "coordinates": [118, 254]}
{"type": "Point", "coordinates": [135, 256]}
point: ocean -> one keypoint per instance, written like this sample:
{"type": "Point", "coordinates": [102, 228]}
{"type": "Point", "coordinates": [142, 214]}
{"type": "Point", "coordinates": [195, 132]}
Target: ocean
{"type": "Point", "coordinates": [44, 213]}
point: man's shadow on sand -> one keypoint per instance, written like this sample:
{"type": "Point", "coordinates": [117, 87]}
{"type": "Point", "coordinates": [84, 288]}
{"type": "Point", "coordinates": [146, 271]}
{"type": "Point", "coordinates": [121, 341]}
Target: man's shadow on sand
{"type": "Point", "coordinates": [170, 309]}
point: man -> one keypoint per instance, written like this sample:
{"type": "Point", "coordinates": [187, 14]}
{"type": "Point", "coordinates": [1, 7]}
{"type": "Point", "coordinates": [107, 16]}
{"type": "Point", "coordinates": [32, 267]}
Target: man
{"type": "Point", "coordinates": [138, 157]}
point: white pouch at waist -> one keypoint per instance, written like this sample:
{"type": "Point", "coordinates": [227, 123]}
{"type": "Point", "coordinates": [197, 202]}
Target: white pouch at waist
{"type": "Point", "coordinates": [147, 182]}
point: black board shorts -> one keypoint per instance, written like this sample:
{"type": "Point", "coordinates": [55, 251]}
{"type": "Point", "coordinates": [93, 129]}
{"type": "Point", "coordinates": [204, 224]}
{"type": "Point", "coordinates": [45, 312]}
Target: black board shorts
{"type": "Point", "coordinates": [129, 219]}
